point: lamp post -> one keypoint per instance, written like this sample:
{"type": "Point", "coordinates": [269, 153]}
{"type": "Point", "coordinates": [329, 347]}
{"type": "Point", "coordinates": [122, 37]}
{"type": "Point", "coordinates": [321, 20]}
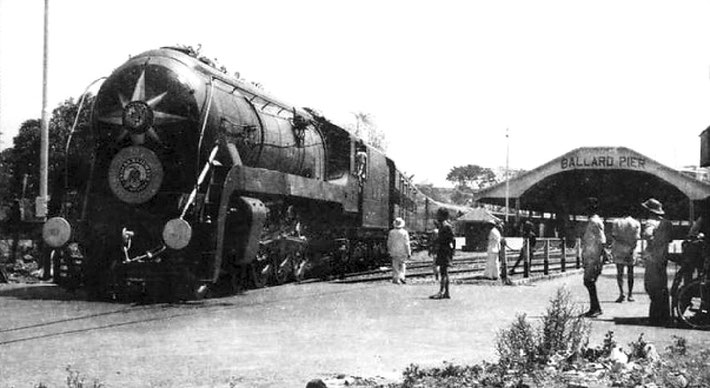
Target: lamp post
{"type": "Point", "coordinates": [41, 202]}
{"type": "Point", "coordinates": [507, 175]}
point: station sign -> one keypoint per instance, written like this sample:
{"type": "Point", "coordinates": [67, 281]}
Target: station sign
{"type": "Point", "coordinates": [603, 161]}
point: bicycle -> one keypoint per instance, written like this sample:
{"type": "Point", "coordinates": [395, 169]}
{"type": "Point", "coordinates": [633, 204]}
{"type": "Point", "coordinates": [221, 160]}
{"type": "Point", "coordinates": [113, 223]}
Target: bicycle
{"type": "Point", "coordinates": [691, 302]}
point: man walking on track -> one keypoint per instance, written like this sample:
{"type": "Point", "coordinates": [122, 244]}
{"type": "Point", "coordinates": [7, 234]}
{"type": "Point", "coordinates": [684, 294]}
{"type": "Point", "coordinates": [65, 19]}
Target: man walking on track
{"type": "Point", "coordinates": [625, 233]}
{"type": "Point", "coordinates": [445, 244]}
{"type": "Point", "coordinates": [592, 245]}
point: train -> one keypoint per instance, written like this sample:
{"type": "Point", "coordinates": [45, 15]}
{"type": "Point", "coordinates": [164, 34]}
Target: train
{"type": "Point", "coordinates": [200, 183]}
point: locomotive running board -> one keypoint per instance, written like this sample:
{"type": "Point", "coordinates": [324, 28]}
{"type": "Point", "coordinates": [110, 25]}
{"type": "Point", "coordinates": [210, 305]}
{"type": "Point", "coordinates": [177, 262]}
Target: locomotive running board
{"type": "Point", "coordinates": [259, 181]}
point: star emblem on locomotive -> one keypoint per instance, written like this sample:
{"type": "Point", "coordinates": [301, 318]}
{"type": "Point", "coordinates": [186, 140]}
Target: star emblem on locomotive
{"type": "Point", "coordinates": [138, 115]}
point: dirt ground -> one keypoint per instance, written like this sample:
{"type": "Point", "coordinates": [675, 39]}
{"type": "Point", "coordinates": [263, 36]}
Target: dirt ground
{"type": "Point", "coordinates": [283, 336]}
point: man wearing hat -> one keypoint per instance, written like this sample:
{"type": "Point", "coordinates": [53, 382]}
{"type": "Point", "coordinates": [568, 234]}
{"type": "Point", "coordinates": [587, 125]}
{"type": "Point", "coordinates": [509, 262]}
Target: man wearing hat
{"type": "Point", "coordinates": [445, 246]}
{"type": "Point", "coordinates": [593, 242]}
{"type": "Point", "coordinates": [399, 250]}
{"type": "Point", "coordinates": [657, 231]}
{"type": "Point", "coordinates": [492, 270]}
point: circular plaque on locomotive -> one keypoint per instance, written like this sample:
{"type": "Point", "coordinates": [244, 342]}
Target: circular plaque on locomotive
{"type": "Point", "coordinates": [135, 175]}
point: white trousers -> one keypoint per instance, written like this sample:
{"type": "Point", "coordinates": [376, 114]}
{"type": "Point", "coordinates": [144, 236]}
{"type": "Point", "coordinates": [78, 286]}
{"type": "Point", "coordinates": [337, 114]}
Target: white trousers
{"type": "Point", "coordinates": [492, 266]}
{"type": "Point", "coordinates": [398, 268]}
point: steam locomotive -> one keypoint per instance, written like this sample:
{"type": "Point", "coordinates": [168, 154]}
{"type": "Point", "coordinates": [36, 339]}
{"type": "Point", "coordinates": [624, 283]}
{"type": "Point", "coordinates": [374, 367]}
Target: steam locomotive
{"type": "Point", "coordinates": [201, 183]}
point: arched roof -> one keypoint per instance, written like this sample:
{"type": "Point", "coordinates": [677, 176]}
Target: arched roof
{"type": "Point", "coordinates": [618, 176]}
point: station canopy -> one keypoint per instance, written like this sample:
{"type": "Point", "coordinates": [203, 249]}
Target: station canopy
{"type": "Point", "coordinates": [619, 177]}
{"type": "Point", "coordinates": [478, 215]}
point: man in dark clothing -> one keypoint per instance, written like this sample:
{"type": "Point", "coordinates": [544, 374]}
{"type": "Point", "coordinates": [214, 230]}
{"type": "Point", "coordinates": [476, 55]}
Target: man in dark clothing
{"type": "Point", "coordinates": [445, 246]}
{"type": "Point", "coordinates": [657, 231]}
{"type": "Point", "coordinates": [529, 240]}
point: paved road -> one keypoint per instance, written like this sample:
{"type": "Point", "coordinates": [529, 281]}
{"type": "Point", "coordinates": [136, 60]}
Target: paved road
{"type": "Point", "coordinates": [284, 336]}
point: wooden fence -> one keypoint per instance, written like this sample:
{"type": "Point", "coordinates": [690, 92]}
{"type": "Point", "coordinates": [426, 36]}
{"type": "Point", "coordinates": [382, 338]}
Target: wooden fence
{"type": "Point", "coordinates": [548, 255]}
{"type": "Point", "coordinates": [551, 255]}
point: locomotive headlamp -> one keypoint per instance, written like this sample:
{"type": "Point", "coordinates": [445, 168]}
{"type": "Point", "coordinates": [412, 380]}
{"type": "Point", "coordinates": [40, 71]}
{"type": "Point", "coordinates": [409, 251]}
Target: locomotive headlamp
{"type": "Point", "coordinates": [177, 233]}
{"type": "Point", "coordinates": [137, 117]}
{"type": "Point", "coordinates": [56, 232]}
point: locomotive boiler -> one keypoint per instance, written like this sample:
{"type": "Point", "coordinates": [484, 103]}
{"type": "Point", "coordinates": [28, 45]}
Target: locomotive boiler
{"type": "Point", "coordinates": [201, 182]}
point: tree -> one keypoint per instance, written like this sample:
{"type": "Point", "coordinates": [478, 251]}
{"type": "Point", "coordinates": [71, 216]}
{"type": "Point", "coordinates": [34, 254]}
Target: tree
{"type": "Point", "coordinates": [471, 176]}
{"type": "Point", "coordinates": [23, 160]}
{"type": "Point", "coordinates": [366, 129]}
{"type": "Point", "coordinates": [5, 174]}
{"type": "Point", "coordinates": [469, 179]}
{"type": "Point", "coordinates": [435, 193]}
{"type": "Point", "coordinates": [512, 173]}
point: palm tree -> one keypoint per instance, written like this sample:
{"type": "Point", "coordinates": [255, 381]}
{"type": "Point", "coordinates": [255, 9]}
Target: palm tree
{"type": "Point", "coordinates": [361, 117]}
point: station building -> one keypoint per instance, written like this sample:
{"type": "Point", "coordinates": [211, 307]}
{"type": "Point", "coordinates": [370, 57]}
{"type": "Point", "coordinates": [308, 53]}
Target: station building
{"type": "Point", "coordinates": [619, 177]}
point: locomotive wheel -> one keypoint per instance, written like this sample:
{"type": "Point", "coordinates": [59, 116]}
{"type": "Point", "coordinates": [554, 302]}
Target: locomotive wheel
{"type": "Point", "coordinates": [693, 307]}
{"type": "Point", "coordinates": [66, 268]}
{"type": "Point", "coordinates": [261, 269]}
{"type": "Point", "coordinates": [241, 279]}
{"type": "Point", "coordinates": [299, 266]}
{"type": "Point", "coordinates": [379, 252]}
{"type": "Point", "coordinates": [283, 268]}
{"type": "Point", "coordinates": [358, 256]}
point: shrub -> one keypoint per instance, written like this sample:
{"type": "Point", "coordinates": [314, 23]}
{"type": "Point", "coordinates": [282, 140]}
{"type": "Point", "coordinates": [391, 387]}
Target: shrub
{"type": "Point", "coordinates": [76, 380]}
{"type": "Point", "coordinates": [603, 351]}
{"type": "Point", "coordinates": [637, 349]}
{"type": "Point", "coordinates": [679, 346]}
{"type": "Point", "coordinates": [564, 332]}
{"type": "Point", "coordinates": [517, 346]}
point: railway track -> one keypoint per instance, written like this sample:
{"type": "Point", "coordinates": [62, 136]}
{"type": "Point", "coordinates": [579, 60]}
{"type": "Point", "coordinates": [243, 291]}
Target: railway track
{"type": "Point", "coordinates": [102, 316]}
{"type": "Point", "coordinates": [462, 269]}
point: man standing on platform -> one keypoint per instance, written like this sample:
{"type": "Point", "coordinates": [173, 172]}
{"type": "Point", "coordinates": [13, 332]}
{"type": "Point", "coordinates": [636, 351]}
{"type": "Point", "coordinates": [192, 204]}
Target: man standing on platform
{"type": "Point", "coordinates": [592, 245]}
{"type": "Point", "coordinates": [657, 231]}
{"type": "Point", "coordinates": [625, 233]}
{"type": "Point", "coordinates": [445, 245]}
{"type": "Point", "coordinates": [529, 240]}
{"type": "Point", "coordinates": [399, 250]}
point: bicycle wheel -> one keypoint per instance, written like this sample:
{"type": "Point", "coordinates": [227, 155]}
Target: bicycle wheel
{"type": "Point", "coordinates": [693, 306]}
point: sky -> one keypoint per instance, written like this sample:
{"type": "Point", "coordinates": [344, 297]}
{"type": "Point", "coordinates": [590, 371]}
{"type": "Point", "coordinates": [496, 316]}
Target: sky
{"type": "Point", "coordinates": [444, 80]}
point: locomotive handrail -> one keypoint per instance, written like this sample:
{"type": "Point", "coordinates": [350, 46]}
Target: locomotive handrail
{"type": "Point", "coordinates": [210, 95]}
{"type": "Point", "coordinates": [200, 179]}
{"type": "Point", "coordinates": [73, 128]}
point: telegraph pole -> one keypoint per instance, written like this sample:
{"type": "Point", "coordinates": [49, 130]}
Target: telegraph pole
{"type": "Point", "coordinates": [41, 202]}
{"type": "Point", "coordinates": [507, 175]}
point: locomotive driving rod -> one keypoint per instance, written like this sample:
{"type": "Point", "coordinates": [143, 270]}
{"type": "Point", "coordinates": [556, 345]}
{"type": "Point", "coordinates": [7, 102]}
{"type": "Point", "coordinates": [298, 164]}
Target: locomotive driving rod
{"type": "Point", "coordinates": [200, 179]}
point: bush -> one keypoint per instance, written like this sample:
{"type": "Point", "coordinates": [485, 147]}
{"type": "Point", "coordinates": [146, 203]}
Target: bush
{"type": "Point", "coordinates": [561, 335]}
{"type": "Point", "coordinates": [679, 346]}
{"type": "Point", "coordinates": [637, 349]}
{"type": "Point", "coordinates": [517, 345]}
{"type": "Point", "coordinates": [564, 332]}
{"type": "Point", "coordinates": [603, 351]}
{"type": "Point", "coordinates": [76, 380]}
